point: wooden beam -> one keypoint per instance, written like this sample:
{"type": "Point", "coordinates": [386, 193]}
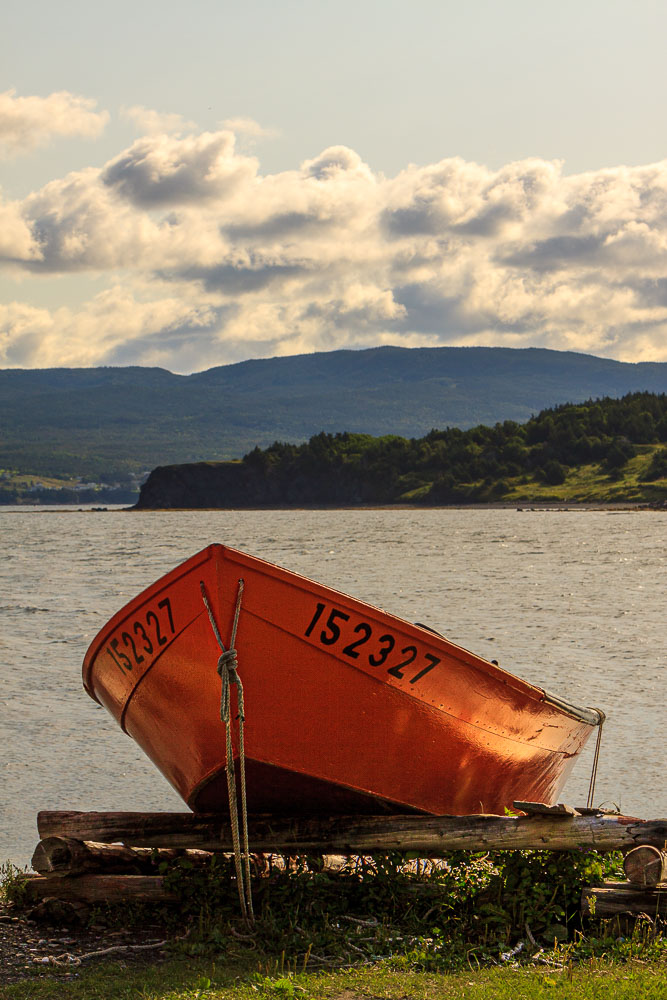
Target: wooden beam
{"type": "Point", "coordinates": [431, 836]}
{"type": "Point", "coordinates": [615, 898]}
{"type": "Point", "coordinates": [65, 856]}
{"type": "Point", "coordinates": [102, 887]}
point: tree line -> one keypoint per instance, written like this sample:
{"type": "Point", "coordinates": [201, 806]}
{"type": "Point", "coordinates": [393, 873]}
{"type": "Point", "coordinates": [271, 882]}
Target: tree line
{"type": "Point", "coordinates": [455, 465]}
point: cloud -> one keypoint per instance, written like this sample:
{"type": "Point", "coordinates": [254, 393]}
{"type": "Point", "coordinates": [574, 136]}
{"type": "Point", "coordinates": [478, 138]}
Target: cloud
{"type": "Point", "coordinates": [27, 123]}
{"type": "Point", "coordinates": [167, 170]}
{"type": "Point", "coordinates": [16, 238]}
{"type": "Point", "coordinates": [150, 122]}
{"type": "Point", "coordinates": [117, 326]}
{"type": "Point", "coordinates": [207, 260]}
{"type": "Point", "coordinates": [76, 224]}
{"type": "Point", "coordinates": [248, 127]}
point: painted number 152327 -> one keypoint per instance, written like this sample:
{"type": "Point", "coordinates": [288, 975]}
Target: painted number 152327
{"type": "Point", "coordinates": [360, 641]}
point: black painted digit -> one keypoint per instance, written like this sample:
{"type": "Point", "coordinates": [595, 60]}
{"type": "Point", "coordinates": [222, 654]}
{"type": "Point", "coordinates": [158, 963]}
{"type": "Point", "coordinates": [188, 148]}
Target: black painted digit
{"type": "Point", "coordinates": [434, 661]}
{"type": "Point", "coordinates": [334, 631]}
{"type": "Point", "coordinates": [396, 671]}
{"type": "Point", "coordinates": [116, 660]}
{"type": "Point", "coordinates": [139, 630]}
{"type": "Point", "coordinates": [129, 641]}
{"type": "Point", "coordinates": [351, 649]}
{"type": "Point", "coordinates": [166, 603]}
{"type": "Point", "coordinates": [152, 617]}
{"type": "Point", "coordinates": [316, 617]}
{"type": "Point", "coordinates": [119, 656]}
{"type": "Point", "coordinates": [377, 659]}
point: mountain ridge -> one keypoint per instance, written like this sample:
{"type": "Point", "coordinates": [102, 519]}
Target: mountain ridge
{"type": "Point", "coordinates": [119, 421]}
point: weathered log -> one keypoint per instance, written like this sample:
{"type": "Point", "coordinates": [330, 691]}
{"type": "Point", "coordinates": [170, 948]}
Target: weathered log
{"type": "Point", "coordinates": [645, 865]}
{"type": "Point", "coordinates": [94, 888]}
{"type": "Point", "coordinates": [614, 898]}
{"type": "Point", "coordinates": [430, 836]}
{"type": "Point", "coordinates": [99, 888]}
{"type": "Point", "coordinates": [67, 856]}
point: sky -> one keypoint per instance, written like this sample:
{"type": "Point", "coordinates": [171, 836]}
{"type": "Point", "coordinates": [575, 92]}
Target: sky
{"type": "Point", "coordinates": [186, 185]}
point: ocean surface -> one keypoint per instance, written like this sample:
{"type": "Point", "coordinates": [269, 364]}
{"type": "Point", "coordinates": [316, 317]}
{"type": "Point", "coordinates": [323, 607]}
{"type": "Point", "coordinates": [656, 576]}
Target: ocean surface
{"type": "Point", "coordinates": [573, 601]}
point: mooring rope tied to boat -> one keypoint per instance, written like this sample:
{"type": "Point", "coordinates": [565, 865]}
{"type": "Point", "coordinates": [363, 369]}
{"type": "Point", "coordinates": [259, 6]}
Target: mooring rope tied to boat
{"type": "Point", "coordinates": [596, 760]}
{"type": "Point", "coordinates": [228, 671]}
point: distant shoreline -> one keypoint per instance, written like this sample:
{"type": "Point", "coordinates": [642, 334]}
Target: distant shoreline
{"type": "Point", "coordinates": [520, 507]}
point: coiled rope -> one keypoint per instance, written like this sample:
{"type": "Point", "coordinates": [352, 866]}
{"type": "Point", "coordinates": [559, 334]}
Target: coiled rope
{"type": "Point", "coordinates": [228, 671]}
{"type": "Point", "coordinates": [596, 760]}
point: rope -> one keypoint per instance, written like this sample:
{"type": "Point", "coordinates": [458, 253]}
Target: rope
{"type": "Point", "coordinates": [596, 760]}
{"type": "Point", "coordinates": [228, 671]}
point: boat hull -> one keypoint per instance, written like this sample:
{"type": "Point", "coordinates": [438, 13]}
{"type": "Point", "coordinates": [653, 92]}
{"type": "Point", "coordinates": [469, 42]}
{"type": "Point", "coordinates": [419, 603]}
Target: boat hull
{"type": "Point", "coordinates": [347, 709]}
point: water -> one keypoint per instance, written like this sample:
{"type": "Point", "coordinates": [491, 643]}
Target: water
{"type": "Point", "coordinates": [571, 600]}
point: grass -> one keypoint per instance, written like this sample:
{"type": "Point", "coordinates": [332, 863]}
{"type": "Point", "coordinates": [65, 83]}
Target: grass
{"type": "Point", "coordinates": [186, 979]}
{"type": "Point", "coordinates": [501, 925]}
{"type": "Point", "coordinates": [583, 484]}
{"type": "Point", "coordinates": [590, 483]}
{"type": "Point", "coordinates": [22, 481]}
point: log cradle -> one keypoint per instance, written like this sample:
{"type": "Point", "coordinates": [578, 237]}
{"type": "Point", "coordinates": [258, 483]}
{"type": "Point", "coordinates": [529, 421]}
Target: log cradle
{"type": "Point", "coordinates": [87, 857]}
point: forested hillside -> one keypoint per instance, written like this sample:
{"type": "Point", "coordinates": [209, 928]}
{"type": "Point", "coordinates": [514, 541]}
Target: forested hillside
{"type": "Point", "coordinates": [602, 449]}
{"type": "Point", "coordinates": [108, 424]}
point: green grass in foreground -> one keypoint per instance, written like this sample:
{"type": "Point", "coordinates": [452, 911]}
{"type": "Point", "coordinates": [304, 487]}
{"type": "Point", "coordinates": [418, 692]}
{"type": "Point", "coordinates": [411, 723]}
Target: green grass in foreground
{"type": "Point", "coordinates": [498, 924]}
{"type": "Point", "coordinates": [185, 979]}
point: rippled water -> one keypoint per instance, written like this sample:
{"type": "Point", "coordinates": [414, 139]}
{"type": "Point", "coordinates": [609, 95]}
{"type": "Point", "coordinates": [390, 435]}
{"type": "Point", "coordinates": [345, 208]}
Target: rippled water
{"type": "Point", "coordinates": [572, 600]}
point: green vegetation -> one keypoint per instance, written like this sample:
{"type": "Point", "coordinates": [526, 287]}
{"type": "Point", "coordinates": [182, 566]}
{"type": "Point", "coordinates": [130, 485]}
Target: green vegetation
{"type": "Point", "coordinates": [105, 424]}
{"type": "Point", "coordinates": [207, 979]}
{"type": "Point", "coordinates": [19, 488]}
{"type": "Point", "coordinates": [603, 450]}
{"type": "Point", "coordinates": [608, 448]}
{"type": "Point", "coordinates": [479, 925]}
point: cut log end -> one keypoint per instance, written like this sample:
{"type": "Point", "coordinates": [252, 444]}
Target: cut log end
{"type": "Point", "coordinates": [645, 866]}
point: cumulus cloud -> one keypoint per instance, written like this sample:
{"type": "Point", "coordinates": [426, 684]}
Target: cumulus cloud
{"type": "Point", "coordinates": [208, 260]}
{"type": "Point", "coordinates": [16, 237]}
{"type": "Point", "coordinates": [169, 170]}
{"type": "Point", "coordinates": [29, 122]}
{"type": "Point", "coordinates": [116, 327]}
{"type": "Point", "coordinates": [150, 122]}
{"type": "Point", "coordinates": [248, 127]}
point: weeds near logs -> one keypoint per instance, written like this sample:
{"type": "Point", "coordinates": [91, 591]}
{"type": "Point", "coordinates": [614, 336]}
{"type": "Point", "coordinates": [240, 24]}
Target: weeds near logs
{"type": "Point", "coordinates": [505, 908]}
{"type": "Point", "coordinates": [465, 912]}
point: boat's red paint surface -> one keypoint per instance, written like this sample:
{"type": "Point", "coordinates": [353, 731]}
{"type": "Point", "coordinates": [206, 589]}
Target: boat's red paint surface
{"type": "Point", "coordinates": [347, 708]}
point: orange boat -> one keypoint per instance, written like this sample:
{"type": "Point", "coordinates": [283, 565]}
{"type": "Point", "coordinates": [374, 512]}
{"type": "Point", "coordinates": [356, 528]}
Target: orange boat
{"type": "Point", "coordinates": [347, 709]}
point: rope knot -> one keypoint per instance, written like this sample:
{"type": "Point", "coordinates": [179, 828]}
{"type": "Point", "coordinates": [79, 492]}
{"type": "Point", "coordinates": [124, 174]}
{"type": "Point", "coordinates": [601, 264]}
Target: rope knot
{"type": "Point", "coordinates": [228, 672]}
{"type": "Point", "coordinates": [228, 663]}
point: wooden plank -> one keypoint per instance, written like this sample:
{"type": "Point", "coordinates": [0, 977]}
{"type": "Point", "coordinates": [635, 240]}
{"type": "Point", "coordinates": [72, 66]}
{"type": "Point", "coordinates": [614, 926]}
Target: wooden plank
{"type": "Point", "coordinates": [615, 898]}
{"type": "Point", "coordinates": [430, 836]}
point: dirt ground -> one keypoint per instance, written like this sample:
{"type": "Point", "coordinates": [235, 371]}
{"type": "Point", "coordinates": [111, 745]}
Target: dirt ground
{"type": "Point", "coordinates": [38, 948]}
